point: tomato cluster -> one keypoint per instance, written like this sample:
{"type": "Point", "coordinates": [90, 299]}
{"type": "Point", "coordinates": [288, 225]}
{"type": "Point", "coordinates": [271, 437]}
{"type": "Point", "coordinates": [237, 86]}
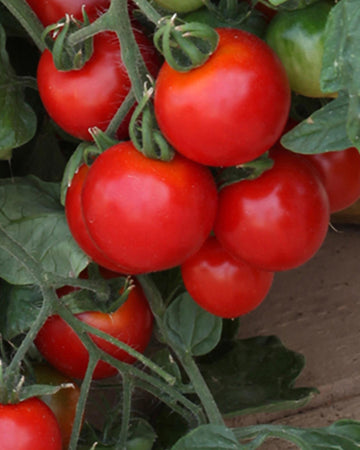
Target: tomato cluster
{"type": "Point", "coordinates": [133, 214]}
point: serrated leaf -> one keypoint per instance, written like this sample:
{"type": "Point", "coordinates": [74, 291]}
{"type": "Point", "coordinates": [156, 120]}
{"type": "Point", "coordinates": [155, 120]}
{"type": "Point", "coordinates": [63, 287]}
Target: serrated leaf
{"type": "Point", "coordinates": [190, 327]}
{"type": "Point", "coordinates": [208, 437]}
{"type": "Point", "coordinates": [343, 434]}
{"type": "Point", "coordinates": [17, 119]}
{"type": "Point", "coordinates": [325, 130]}
{"type": "Point", "coordinates": [30, 214]}
{"type": "Point", "coordinates": [254, 375]}
{"type": "Point", "coordinates": [19, 307]}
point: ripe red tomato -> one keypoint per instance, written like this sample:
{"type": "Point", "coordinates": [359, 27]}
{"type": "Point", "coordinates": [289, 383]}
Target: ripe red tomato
{"type": "Point", "coordinates": [231, 109]}
{"type": "Point", "coordinates": [147, 215]}
{"type": "Point", "coordinates": [340, 173]}
{"type": "Point", "coordinates": [28, 425]}
{"type": "Point", "coordinates": [76, 222]}
{"type": "Point", "coordinates": [132, 324]}
{"type": "Point", "coordinates": [223, 285]}
{"type": "Point", "coordinates": [50, 11]}
{"type": "Point", "coordinates": [277, 221]}
{"type": "Point", "coordinates": [81, 99]}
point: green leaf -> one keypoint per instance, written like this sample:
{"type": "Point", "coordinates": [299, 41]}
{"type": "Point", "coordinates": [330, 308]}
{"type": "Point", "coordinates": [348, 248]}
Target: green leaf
{"type": "Point", "coordinates": [325, 130]}
{"type": "Point", "coordinates": [30, 213]}
{"type": "Point", "coordinates": [19, 307]}
{"type": "Point", "coordinates": [292, 4]}
{"type": "Point", "coordinates": [208, 437]}
{"type": "Point", "coordinates": [141, 436]}
{"type": "Point", "coordinates": [341, 63]}
{"type": "Point", "coordinates": [17, 119]}
{"type": "Point", "coordinates": [253, 375]}
{"type": "Point", "coordinates": [190, 327]}
{"type": "Point", "coordinates": [343, 434]}
{"type": "Point", "coordinates": [38, 390]}
{"type": "Point", "coordinates": [165, 360]}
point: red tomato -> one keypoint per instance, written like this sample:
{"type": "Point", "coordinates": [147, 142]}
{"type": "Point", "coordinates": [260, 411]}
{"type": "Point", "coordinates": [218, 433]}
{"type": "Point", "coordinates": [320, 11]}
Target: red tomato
{"type": "Point", "coordinates": [76, 222]}
{"type": "Point", "coordinates": [277, 221]}
{"type": "Point", "coordinates": [340, 173]}
{"type": "Point", "coordinates": [50, 11]}
{"type": "Point", "coordinates": [132, 324]}
{"type": "Point", "coordinates": [147, 215]}
{"type": "Point", "coordinates": [63, 403]}
{"type": "Point", "coordinates": [81, 99]}
{"type": "Point", "coordinates": [28, 425]}
{"type": "Point", "coordinates": [222, 285]}
{"type": "Point", "coordinates": [231, 109]}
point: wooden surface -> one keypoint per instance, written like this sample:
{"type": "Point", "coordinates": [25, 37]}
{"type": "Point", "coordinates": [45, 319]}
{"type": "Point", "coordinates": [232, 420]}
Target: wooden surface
{"type": "Point", "coordinates": [315, 310]}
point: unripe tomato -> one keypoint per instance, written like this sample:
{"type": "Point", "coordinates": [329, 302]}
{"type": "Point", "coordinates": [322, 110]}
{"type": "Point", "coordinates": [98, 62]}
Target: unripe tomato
{"type": "Point", "coordinates": [180, 6]}
{"type": "Point", "coordinates": [298, 39]}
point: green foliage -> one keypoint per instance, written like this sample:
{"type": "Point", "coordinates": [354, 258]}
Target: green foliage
{"type": "Point", "coordinates": [17, 120]}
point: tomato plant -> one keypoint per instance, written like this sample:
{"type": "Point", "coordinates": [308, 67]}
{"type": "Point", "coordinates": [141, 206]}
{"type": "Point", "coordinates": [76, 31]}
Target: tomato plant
{"type": "Point", "coordinates": [51, 11]}
{"type": "Point", "coordinates": [28, 425]}
{"type": "Point", "coordinates": [227, 116]}
{"type": "Point", "coordinates": [277, 221]}
{"type": "Point", "coordinates": [147, 215]}
{"type": "Point", "coordinates": [298, 39]}
{"type": "Point", "coordinates": [223, 285]}
{"type": "Point", "coordinates": [81, 99]}
{"type": "Point", "coordinates": [340, 174]}
{"type": "Point", "coordinates": [198, 244]}
{"type": "Point", "coordinates": [132, 323]}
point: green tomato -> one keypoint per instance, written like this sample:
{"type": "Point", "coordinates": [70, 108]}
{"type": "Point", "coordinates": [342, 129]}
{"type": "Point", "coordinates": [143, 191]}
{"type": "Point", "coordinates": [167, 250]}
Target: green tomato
{"type": "Point", "coordinates": [180, 6]}
{"type": "Point", "coordinates": [298, 39]}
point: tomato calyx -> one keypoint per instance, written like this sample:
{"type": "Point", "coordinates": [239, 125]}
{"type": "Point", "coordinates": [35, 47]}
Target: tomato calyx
{"type": "Point", "coordinates": [144, 132]}
{"type": "Point", "coordinates": [66, 56]}
{"type": "Point", "coordinates": [246, 171]}
{"type": "Point", "coordinates": [185, 45]}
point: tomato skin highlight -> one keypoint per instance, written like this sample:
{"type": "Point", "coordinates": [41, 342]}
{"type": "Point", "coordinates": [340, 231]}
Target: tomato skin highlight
{"type": "Point", "coordinates": [339, 172]}
{"type": "Point", "coordinates": [277, 221]}
{"type": "Point", "coordinates": [297, 37]}
{"type": "Point", "coordinates": [222, 285]}
{"type": "Point", "coordinates": [231, 109]}
{"type": "Point", "coordinates": [147, 215]}
{"type": "Point", "coordinates": [132, 324]}
{"type": "Point", "coordinates": [81, 99]}
{"type": "Point", "coordinates": [76, 223]}
{"type": "Point", "coordinates": [28, 425]}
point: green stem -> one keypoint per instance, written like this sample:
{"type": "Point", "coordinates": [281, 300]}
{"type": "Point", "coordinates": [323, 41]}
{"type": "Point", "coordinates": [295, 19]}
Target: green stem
{"type": "Point", "coordinates": [80, 407]}
{"type": "Point", "coordinates": [125, 107]}
{"type": "Point", "coordinates": [28, 19]}
{"type": "Point", "coordinates": [158, 307]}
{"type": "Point", "coordinates": [150, 12]}
{"type": "Point", "coordinates": [126, 411]}
{"type": "Point", "coordinates": [201, 388]}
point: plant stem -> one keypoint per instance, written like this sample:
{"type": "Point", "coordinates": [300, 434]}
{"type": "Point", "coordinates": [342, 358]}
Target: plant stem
{"type": "Point", "coordinates": [28, 19]}
{"type": "Point", "coordinates": [80, 407]}
{"type": "Point", "coordinates": [126, 411]}
{"type": "Point", "coordinates": [119, 116]}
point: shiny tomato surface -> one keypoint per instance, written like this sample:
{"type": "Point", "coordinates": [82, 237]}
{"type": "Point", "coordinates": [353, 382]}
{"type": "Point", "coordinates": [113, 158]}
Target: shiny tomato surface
{"type": "Point", "coordinates": [81, 99]}
{"type": "Point", "coordinates": [231, 109]}
{"type": "Point", "coordinates": [277, 221]}
{"type": "Point", "coordinates": [147, 215]}
{"type": "Point", "coordinates": [222, 285]}
{"type": "Point", "coordinates": [132, 324]}
{"type": "Point", "coordinates": [29, 425]}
